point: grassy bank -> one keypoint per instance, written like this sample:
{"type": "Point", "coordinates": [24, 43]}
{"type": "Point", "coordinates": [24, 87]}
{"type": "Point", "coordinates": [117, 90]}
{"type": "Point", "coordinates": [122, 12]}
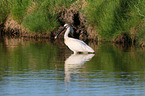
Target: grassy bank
{"type": "Point", "coordinates": [111, 18]}
{"type": "Point", "coordinates": [34, 15]}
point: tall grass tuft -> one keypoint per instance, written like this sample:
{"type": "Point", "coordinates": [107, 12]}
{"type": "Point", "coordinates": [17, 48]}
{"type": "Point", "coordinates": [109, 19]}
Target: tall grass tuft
{"type": "Point", "coordinates": [5, 6]}
{"type": "Point", "coordinates": [19, 9]}
{"type": "Point", "coordinates": [40, 22]}
{"type": "Point", "coordinates": [113, 17]}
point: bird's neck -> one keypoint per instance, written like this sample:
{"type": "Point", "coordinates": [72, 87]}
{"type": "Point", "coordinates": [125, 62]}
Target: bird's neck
{"type": "Point", "coordinates": [66, 33]}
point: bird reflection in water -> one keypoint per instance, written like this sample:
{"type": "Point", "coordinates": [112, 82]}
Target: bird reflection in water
{"type": "Point", "coordinates": [74, 62]}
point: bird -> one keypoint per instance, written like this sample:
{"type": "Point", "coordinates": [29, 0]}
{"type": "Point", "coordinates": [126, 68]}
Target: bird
{"type": "Point", "coordinates": [76, 45]}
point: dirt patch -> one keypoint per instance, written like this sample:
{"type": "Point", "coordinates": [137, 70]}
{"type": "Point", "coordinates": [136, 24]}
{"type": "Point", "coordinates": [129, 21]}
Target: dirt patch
{"type": "Point", "coordinates": [11, 27]}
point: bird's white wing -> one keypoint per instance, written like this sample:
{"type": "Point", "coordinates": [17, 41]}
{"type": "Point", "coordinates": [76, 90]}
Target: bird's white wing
{"type": "Point", "coordinates": [78, 45]}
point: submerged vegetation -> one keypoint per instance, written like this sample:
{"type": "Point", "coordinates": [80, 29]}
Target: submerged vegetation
{"type": "Point", "coordinates": [109, 18]}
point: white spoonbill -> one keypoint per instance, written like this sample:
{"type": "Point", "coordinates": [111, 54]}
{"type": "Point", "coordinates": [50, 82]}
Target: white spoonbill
{"type": "Point", "coordinates": [74, 44]}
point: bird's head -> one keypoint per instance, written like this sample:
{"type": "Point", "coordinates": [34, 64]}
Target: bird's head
{"type": "Point", "coordinates": [65, 26]}
{"type": "Point", "coordinates": [69, 26]}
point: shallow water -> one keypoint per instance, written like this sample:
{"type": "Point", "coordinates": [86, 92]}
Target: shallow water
{"type": "Point", "coordinates": [44, 68]}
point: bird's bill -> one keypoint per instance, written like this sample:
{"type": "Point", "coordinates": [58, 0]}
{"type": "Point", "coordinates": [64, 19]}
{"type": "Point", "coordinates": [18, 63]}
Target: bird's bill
{"type": "Point", "coordinates": [59, 33]}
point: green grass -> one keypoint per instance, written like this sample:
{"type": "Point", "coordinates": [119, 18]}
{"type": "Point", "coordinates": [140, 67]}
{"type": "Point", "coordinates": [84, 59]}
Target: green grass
{"type": "Point", "coordinates": [19, 9]}
{"type": "Point", "coordinates": [113, 17]}
{"type": "Point", "coordinates": [4, 9]}
{"type": "Point", "coordinates": [140, 34]}
{"type": "Point", "coordinates": [38, 16]}
{"type": "Point", "coordinates": [43, 15]}
{"type": "Point", "coordinates": [100, 14]}
{"type": "Point", "coordinates": [110, 17]}
{"type": "Point", "coordinates": [40, 22]}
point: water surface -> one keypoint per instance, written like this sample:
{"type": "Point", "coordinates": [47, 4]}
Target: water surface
{"type": "Point", "coordinates": [44, 68]}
